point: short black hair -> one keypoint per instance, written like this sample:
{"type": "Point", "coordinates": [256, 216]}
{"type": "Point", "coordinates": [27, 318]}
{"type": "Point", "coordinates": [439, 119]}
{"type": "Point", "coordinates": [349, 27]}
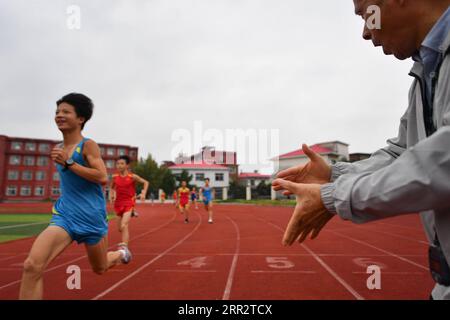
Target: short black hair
{"type": "Point", "coordinates": [83, 105]}
{"type": "Point", "coordinates": [126, 158]}
{"type": "Point", "coordinates": [206, 179]}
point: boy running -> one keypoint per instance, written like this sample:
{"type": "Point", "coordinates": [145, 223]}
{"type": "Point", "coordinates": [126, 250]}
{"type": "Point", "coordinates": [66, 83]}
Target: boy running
{"type": "Point", "coordinates": [194, 197]}
{"type": "Point", "coordinates": [123, 195]}
{"type": "Point", "coordinates": [183, 196]}
{"type": "Point", "coordinates": [207, 195]}
{"type": "Point", "coordinates": [80, 212]}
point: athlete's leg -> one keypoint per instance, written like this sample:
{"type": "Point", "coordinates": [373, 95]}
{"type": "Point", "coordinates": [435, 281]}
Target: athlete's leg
{"type": "Point", "coordinates": [124, 223]}
{"type": "Point", "coordinates": [99, 257]}
{"type": "Point", "coordinates": [48, 245]}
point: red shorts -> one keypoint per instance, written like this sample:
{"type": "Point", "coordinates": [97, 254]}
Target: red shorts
{"type": "Point", "coordinates": [184, 204]}
{"type": "Point", "coordinates": [121, 208]}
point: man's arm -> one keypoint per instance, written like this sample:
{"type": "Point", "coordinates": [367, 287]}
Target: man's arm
{"type": "Point", "coordinates": [96, 170]}
{"type": "Point", "coordinates": [380, 159]}
{"type": "Point", "coordinates": [417, 181]}
{"type": "Point", "coordinates": [112, 191]}
{"type": "Point", "coordinates": [145, 183]}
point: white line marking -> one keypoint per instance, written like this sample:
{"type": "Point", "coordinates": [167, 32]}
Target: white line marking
{"type": "Point", "coordinates": [15, 256]}
{"type": "Point", "coordinates": [84, 256]}
{"type": "Point", "coordinates": [392, 272]}
{"type": "Point", "coordinates": [22, 225]}
{"type": "Point", "coordinates": [381, 250]}
{"type": "Point", "coordinates": [302, 272]}
{"type": "Point", "coordinates": [131, 275]}
{"type": "Point", "coordinates": [187, 271]}
{"type": "Point", "coordinates": [227, 292]}
{"type": "Point", "coordinates": [326, 267]}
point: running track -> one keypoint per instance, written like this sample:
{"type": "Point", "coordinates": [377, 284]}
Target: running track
{"type": "Point", "coordinates": [240, 257]}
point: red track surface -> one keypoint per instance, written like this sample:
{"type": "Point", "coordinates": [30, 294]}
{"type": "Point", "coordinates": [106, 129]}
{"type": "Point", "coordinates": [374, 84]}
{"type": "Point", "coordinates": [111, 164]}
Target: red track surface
{"type": "Point", "coordinates": [240, 256]}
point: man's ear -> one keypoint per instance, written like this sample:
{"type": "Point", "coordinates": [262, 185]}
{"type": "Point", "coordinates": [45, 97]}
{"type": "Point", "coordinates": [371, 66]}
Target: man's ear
{"type": "Point", "coordinates": [81, 120]}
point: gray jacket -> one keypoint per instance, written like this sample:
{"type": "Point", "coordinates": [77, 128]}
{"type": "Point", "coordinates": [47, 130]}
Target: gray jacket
{"type": "Point", "coordinates": [411, 174]}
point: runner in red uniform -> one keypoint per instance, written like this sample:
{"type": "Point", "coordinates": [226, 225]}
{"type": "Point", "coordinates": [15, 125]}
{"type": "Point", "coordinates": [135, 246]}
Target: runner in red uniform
{"type": "Point", "coordinates": [183, 196]}
{"type": "Point", "coordinates": [123, 195]}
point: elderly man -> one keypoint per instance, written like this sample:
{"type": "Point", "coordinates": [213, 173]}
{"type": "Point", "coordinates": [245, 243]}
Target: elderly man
{"type": "Point", "coordinates": [412, 173]}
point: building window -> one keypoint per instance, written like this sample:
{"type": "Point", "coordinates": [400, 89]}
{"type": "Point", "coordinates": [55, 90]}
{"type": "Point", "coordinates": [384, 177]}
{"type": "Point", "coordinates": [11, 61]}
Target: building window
{"type": "Point", "coordinates": [16, 145]}
{"type": "Point", "coordinates": [199, 176]}
{"type": "Point", "coordinates": [122, 152]}
{"type": "Point", "coordinates": [110, 164]}
{"type": "Point", "coordinates": [13, 175]}
{"type": "Point", "coordinates": [56, 176]}
{"type": "Point", "coordinates": [25, 191]}
{"type": "Point", "coordinates": [132, 153]}
{"type": "Point", "coordinates": [102, 151]}
{"type": "Point", "coordinates": [14, 160]}
{"type": "Point", "coordinates": [40, 175]}
{"type": "Point", "coordinates": [111, 152]}
{"type": "Point", "coordinates": [55, 191]}
{"type": "Point", "coordinates": [28, 161]}
{"type": "Point", "coordinates": [219, 176]}
{"type": "Point", "coordinates": [27, 175]}
{"type": "Point", "coordinates": [42, 161]}
{"type": "Point", "coordinates": [39, 191]}
{"type": "Point", "coordinates": [30, 146]}
{"type": "Point", "coordinates": [44, 147]}
{"type": "Point", "coordinates": [11, 191]}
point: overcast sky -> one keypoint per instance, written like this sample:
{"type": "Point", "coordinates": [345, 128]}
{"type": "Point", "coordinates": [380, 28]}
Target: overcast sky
{"type": "Point", "coordinates": [154, 67]}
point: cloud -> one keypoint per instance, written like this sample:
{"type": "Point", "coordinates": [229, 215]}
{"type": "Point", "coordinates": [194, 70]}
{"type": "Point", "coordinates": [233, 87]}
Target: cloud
{"type": "Point", "coordinates": [153, 67]}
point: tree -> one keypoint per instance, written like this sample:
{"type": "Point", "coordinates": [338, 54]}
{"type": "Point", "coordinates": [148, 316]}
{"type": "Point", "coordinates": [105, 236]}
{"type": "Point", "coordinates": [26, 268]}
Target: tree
{"type": "Point", "coordinates": [185, 176]}
{"type": "Point", "coordinates": [159, 177]}
{"type": "Point", "coordinates": [263, 189]}
{"type": "Point", "coordinates": [237, 191]}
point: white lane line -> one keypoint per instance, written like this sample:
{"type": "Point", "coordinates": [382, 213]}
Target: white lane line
{"type": "Point", "coordinates": [84, 256]}
{"type": "Point", "coordinates": [187, 271]}
{"type": "Point", "coordinates": [381, 250]}
{"type": "Point", "coordinates": [229, 285]}
{"type": "Point", "coordinates": [302, 272]}
{"type": "Point", "coordinates": [272, 254]}
{"type": "Point", "coordinates": [137, 271]}
{"type": "Point", "coordinates": [389, 234]}
{"type": "Point", "coordinates": [22, 225]}
{"type": "Point", "coordinates": [326, 267]}
{"type": "Point", "coordinates": [399, 226]}
{"type": "Point", "coordinates": [12, 257]}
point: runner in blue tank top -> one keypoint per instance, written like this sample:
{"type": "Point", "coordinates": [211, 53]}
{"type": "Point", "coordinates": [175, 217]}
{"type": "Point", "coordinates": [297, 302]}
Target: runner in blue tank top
{"type": "Point", "coordinates": [80, 213]}
{"type": "Point", "coordinates": [207, 195]}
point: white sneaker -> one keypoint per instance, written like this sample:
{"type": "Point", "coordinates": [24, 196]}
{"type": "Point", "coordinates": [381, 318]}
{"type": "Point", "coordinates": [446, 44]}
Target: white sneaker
{"type": "Point", "coordinates": [126, 254]}
{"type": "Point", "coordinates": [134, 214]}
{"type": "Point", "coordinates": [210, 221]}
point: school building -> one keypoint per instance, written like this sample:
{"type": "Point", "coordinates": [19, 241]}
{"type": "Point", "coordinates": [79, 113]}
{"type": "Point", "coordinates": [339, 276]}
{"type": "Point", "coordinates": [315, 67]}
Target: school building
{"type": "Point", "coordinates": [27, 172]}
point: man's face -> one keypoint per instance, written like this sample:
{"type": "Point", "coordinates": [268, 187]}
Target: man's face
{"type": "Point", "coordinates": [121, 165]}
{"type": "Point", "coordinates": [397, 34]}
{"type": "Point", "coordinates": [66, 118]}
{"type": "Point", "coordinates": [183, 184]}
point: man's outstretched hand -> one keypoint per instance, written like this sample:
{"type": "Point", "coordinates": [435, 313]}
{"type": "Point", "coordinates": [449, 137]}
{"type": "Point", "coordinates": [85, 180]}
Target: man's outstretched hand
{"type": "Point", "coordinates": [317, 170]}
{"type": "Point", "coordinates": [309, 216]}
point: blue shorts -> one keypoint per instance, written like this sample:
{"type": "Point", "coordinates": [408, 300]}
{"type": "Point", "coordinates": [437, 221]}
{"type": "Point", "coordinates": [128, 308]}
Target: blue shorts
{"type": "Point", "coordinates": [206, 201]}
{"type": "Point", "coordinates": [80, 236]}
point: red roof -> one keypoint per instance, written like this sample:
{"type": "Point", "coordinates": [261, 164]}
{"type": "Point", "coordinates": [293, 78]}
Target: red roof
{"type": "Point", "coordinates": [198, 166]}
{"type": "Point", "coordinates": [249, 175]}
{"type": "Point", "coordinates": [299, 153]}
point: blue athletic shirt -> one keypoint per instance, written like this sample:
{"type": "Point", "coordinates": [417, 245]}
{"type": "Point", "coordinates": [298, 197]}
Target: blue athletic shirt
{"type": "Point", "coordinates": [207, 193]}
{"type": "Point", "coordinates": [82, 203]}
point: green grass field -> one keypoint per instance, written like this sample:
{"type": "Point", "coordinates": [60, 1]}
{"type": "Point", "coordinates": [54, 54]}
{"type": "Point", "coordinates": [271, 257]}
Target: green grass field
{"type": "Point", "coordinates": [14, 226]}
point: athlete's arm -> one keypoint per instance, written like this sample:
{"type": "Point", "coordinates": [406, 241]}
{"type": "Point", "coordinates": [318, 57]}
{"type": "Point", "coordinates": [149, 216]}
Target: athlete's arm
{"type": "Point", "coordinates": [96, 172]}
{"type": "Point", "coordinates": [112, 191]}
{"type": "Point", "coordinates": [145, 183]}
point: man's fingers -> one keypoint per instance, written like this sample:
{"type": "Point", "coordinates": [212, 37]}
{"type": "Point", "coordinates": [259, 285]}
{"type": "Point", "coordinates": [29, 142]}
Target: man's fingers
{"type": "Point", "coordinates": [287, 193]}
{"type": "Point", "coordinates": [287, 185]}
{"type": "Point", "coordinates": [305, 233]}
{"type": "Point", "coordinates": [310, 153]}
{"type": "Point", "coordinates": [288, 172]}
{"type": "Point", "coordinates": [293, 229]}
